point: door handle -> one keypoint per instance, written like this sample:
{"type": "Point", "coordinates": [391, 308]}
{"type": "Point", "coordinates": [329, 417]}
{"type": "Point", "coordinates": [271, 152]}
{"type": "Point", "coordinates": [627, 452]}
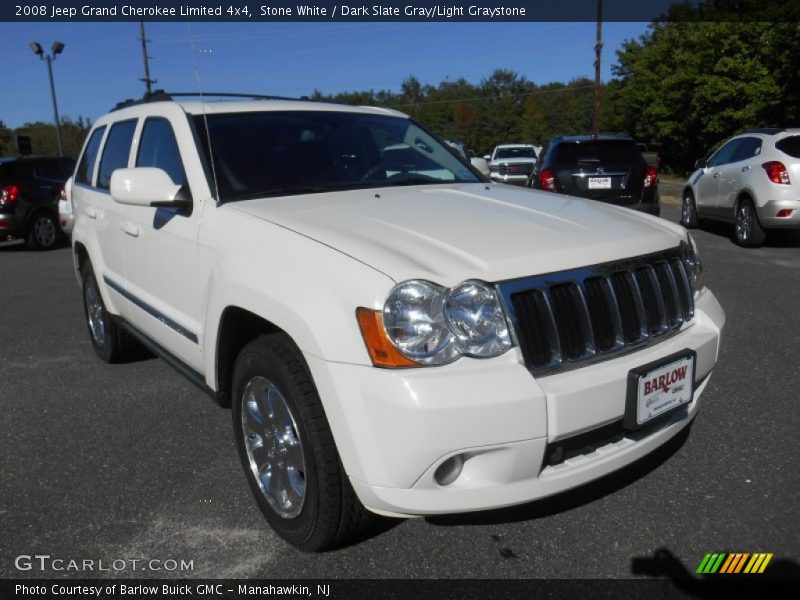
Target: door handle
{"type": "Point", "coordinates": [745, 168]}
{"type": "Point", "coordinates": [716, 174]}
{"type": "Point", "coordinates": [91, 213]}
{"type": "Point", "coordinates": [131, 229]}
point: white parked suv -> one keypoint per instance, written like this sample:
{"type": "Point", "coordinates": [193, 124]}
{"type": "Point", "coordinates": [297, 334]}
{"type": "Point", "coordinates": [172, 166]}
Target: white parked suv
{"type": "Point", "coordinates": [752, 181]}
{"type": "Point", "coordinates": [512, 163]}
{"type": "Point", "coordinates": [392, 333]}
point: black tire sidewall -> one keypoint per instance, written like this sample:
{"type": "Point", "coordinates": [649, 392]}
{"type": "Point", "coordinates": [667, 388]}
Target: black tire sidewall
{"type": "Point", "coordinates": [757, 233]}
{"type": "Point", "coordinates": [103, 350]}
{"type": "Point", "coordinates": [255, 361]}
{"type": "Point", "coordinates": [32, 241]}
{"type": "Point", "coordinates": [693, 222]}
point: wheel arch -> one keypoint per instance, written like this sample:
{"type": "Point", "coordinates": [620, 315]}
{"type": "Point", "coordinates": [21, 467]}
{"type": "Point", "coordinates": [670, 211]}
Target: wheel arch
{"type": "Point", "coordinates": [237, 327]}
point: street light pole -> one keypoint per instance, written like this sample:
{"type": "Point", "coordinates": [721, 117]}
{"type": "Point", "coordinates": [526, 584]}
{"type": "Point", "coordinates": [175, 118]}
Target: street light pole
{"type": "Point", "coordinates": [56, 49]}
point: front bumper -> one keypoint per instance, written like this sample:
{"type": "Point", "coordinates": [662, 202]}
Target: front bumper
{"type": "Point", "coordinates": [393, 429]}
{"type": "Point", "coordinates": [512, 179]}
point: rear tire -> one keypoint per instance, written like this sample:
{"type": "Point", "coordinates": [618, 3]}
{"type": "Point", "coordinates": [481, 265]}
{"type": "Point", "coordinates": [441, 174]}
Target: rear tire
{"type": "Point", "coordinates": [689, 217]}
{"type": "Point", "coordinates": [43, 232]}
{"type": "Point", "coordinates": [287, 449]}
{"type": "Point", "coordinates": [111, 343]}
{"type": "Point", "coordinates": [748, 232]}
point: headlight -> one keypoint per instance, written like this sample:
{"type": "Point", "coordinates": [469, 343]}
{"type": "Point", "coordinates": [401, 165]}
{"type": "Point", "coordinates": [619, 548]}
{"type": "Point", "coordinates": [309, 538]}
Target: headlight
{"type": "Point", "coordinates": [693, 264]}
{"type": "Point", "coordinates": [474, 315]}
{"type": "Point", "coordinates": [414, 321]}
{"type": "Point", "coordinates": [432, 325]}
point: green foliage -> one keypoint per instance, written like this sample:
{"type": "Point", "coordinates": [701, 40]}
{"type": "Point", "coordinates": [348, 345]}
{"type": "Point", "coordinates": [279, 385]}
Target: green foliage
{"type": "Point", "coordinates": [504, 107]}
{"type": "Point", "coordinates": [43, 137]}
{"type": "Point", "coordinates": [687, 86]}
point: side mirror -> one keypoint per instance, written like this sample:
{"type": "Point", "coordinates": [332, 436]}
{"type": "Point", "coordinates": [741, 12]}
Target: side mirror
{"type": "Point", "coordinates": [148, 186]}
{"type": "Point", "coordinates": [487, 157]}
{"type": "Point", "coordinates": [700, 163]}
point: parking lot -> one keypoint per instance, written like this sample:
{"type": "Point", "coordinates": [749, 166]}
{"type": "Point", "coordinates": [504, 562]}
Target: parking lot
{"type": "Point", "coordinates": [131, 461]}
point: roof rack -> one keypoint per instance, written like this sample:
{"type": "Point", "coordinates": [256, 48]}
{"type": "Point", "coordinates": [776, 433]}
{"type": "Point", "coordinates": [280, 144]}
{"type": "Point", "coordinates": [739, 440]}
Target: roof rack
{"type": "Point", "coordinates": [162, 96]}
{"type": "Point", "coordinates": [765, 130]}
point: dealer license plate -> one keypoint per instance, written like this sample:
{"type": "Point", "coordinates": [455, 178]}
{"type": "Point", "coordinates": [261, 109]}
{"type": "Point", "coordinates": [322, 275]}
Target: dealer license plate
{"type": "Point", "coordinates": [599, 183]}
{"type": "Point", "coordinates": [659, 387]}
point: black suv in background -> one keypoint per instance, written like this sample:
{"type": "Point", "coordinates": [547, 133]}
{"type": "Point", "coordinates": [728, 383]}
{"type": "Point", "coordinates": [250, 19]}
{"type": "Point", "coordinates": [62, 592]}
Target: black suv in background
{"type": "Point", "coordinates": [608, 168]}
{"type": "Point", "coordinates": [29, 192]}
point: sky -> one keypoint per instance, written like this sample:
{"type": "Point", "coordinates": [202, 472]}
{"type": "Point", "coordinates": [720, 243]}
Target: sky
{"type": "Point", "coordinates": [102, 62]}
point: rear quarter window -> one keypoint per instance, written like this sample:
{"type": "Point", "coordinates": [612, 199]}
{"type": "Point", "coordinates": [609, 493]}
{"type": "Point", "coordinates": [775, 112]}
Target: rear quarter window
{"type": "Point", "coordinates": [790, 145]}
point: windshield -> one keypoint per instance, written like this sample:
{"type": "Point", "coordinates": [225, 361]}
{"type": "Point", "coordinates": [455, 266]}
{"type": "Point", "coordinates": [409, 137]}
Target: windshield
{"type": "Point", "coordinates": [515, 153]}
{"type": "Point", "coordinates": [299, 152]}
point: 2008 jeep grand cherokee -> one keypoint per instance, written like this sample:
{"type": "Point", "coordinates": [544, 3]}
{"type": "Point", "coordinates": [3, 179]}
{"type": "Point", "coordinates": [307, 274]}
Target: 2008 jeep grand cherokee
{"type": "Point", "coordinates": [392, 331]}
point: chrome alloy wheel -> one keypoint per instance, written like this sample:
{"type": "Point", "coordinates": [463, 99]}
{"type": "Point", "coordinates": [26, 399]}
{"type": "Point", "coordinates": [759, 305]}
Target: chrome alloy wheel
{"type": "Point", "coordinates": [44, 232]}
{"type": "Point", "coordinates": [274, 449]}
{"type": "Point", "coordinates": [95, 313]}
{"type": "Point", "coordinates": [744, 222]}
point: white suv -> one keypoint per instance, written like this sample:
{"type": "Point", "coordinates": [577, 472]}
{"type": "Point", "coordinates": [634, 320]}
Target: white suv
{"type": "Point", "coordinates": [752, 181]}
{"type": "Point", "coordinates": [391, 332]}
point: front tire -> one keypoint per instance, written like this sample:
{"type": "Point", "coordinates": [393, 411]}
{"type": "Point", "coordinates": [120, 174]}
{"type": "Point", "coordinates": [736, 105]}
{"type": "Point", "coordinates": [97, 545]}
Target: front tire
{"type": "Point", "coordinates": [689, 217]}
{"type": "Point", "coordinates": [287, 448]}
{"type": "Point", "coordinates": [43, 232]}
{"type": "Point", "coordinates": [748, 232]}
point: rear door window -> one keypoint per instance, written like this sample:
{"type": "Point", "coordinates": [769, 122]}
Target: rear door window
{"type": "Point", "coordinates": [159, 148]}
{"type": "Point", "coordinates": [747, 149]}
{"type": "Point", "coordinates": [724, 155]}
{"type": "Point", "coordinates": [790, 145]}
{"type": "Point", "coordinates": [116, 151]}
{"type": "Point", "coordinates": [86, 166]}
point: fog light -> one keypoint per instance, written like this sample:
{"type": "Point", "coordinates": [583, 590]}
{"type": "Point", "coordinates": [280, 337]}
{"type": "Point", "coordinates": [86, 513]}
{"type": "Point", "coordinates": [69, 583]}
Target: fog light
{"type": "Point", "coordinates": [449, 470]}
{"type": "Point", "coordinates": [785, 212]}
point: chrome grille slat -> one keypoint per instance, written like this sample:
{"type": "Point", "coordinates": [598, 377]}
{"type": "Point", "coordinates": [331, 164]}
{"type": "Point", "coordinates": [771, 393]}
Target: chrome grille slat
{"type": "Point", "coordinates": [686, 289]}
{"type": "Point", "coordinates": [616, 317]}
{"type": "Point", "coordinates": [568, 319]}
{"type": "Point", "coordinates": [677, 316]}
{"type": "Point", "coordinates": [638, 303]}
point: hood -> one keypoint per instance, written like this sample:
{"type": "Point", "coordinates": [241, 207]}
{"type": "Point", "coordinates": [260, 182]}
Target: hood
{"type": "Point", "coordinates": [447, 234]}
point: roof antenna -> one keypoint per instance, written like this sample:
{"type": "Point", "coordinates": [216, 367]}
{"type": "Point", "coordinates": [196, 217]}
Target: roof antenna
{"type": "Point", "coordinates": [205, 117]}
{"type": "Point", "coordinates": [147, 80]}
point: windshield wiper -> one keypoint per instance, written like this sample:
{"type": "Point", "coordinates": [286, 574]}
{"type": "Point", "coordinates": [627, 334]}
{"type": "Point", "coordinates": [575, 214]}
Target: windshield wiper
{"type": "Point", "coordinates": [421, 180]}
{"type": "Point", "coordinates": [289, 190]}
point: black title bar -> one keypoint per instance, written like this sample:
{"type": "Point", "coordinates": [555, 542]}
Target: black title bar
{"type": "Point", "coordinates": [400, 10]}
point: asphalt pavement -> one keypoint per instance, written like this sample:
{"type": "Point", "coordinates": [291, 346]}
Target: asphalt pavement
{"type": "Point", "coordinates": [131, 461]}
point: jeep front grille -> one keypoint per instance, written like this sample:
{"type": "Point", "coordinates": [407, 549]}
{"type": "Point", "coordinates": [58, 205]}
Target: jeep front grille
{"type": "Point", "coordinates": [572, 318]}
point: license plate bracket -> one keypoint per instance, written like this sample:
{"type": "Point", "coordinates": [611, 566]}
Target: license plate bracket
{"type": "Point", "coordinates": [659, 388]}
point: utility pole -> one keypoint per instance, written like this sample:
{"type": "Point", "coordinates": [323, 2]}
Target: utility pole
{"type": "Point", "coordinates": [147, 80]}
{"type": "Point", "coordinates": [598, 50]}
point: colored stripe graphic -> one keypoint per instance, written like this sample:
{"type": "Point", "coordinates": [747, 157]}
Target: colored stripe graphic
{"type": "Point", "coordinates": [711, 562]}
{"type": "Point", "coordinates": [734, 562]}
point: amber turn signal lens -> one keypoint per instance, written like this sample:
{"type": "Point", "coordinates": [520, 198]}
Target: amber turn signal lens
{"type": "Point", "coordinates": [381, 350]}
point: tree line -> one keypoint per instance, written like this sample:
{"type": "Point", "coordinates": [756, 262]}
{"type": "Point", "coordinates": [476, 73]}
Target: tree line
{"type": "Point", "coordinates": [43, 137]}
{"type": "Point", "coordinates": [682, 87]}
